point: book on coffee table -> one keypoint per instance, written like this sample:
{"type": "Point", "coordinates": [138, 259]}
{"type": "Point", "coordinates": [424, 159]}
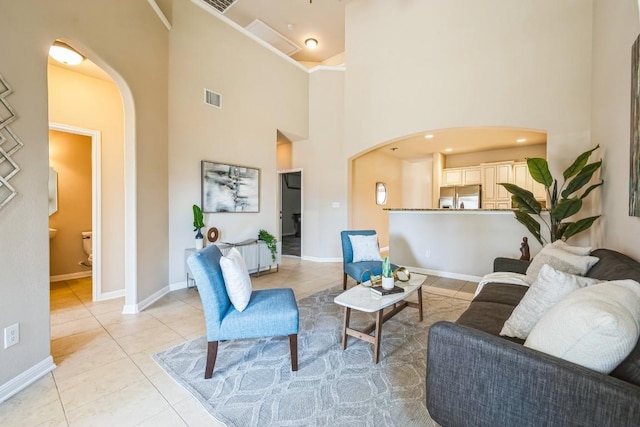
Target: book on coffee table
{"type": "Point", "coordinates": [381, 291]}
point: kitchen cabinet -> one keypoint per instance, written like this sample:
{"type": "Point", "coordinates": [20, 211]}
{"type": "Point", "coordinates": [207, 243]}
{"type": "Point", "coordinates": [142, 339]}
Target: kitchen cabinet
{"type": "Point", "coordinates": [495, 196]}
{"type": "Point", "coordinates": [461, 176]}
{"type": "Point", "coordinates": [522, 178]}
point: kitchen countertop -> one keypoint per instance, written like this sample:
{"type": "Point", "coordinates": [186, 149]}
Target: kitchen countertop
{"type": "Point", "coordinates": [446, 210]}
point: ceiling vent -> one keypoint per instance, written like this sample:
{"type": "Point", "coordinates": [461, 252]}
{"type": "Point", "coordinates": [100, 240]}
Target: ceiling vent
{"type": "Point", "coordinates": [212, 98]}
{"type": "Point", "coordinates": [220, 5]}
{"type": "Point", "coordinates": [271, 36]}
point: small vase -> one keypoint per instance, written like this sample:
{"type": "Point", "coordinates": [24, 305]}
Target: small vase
{"type": "Point", "coordinates": [387, 283]}
{"type": "Point", "coordinates": [199, 240]}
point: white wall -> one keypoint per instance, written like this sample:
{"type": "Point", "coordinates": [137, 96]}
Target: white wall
{"type": "Point", "coordinates": [261, 93]}
{"type": "Point", "coordinates": [615, 29]}
{"type": "Point", "coordinates": [324, 165]}
{"type": "Point", "coordinates": [417, 184]}
{"type": "Point", "coordinates": [129, 38]}
{"type": "Point", "coordinates": [443, 64]}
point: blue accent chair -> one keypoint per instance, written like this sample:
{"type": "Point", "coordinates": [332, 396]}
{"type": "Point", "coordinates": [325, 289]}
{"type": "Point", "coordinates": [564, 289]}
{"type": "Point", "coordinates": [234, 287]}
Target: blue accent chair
{"type": "Point", "coordinates": [271, 312]}
{"type": "Point", "coordinates": [355, 269]}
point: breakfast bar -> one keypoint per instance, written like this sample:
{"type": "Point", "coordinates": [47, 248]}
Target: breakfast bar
{"type": "Point", "coordinates": [456, 243]}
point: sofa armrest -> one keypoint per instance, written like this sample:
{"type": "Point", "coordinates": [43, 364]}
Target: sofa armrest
{"type": "Point", "coordinates": [474, 378]}
{"type": "Point", "coordinates": [511, 264]}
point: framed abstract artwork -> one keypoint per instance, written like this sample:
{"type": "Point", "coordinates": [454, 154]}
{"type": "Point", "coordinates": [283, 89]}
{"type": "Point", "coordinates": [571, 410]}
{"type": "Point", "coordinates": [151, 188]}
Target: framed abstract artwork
{"type": "Point", "coordinates": [230, 188]}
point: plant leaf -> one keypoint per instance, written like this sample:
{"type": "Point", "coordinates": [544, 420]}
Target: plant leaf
{"type": "Point", "coordinates": [522, 198]}
{"type": "Point", "coordinates": [578, 164]}
{"type": "Point", "coordinates": [590, 189]}
{"type": "Point", "coordinates": [560, 229]}
{"type": "Point", "coordinates": [532, 225]}
{"type": "Point", "coordinates": [580, 226]}
{"type": "Point", "coordinates": [554, 193]}
{"type": "Point", "coordinates": [539, 170]}
{"type": "Point", "coordinates": [581, 179]}
{"type": "Point", "coordinates": [565, 208]}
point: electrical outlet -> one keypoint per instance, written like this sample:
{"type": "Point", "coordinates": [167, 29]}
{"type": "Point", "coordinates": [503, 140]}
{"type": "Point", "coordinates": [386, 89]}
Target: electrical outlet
{"type": "Point", "coordinates": [11, 335]}
{"type": "Point", "coordinates": [427, 254]}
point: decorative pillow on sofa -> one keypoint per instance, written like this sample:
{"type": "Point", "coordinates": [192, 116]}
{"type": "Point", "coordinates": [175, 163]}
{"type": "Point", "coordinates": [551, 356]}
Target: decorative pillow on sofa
{"type": "Point", "coordinates": [365, 248]}
{"type": "Point", "coordinates": [596, 327]}
{"type": "Point", "coordinates": [236, 279]}
{"type": "Point", "coordinates": [550, 287]}
{"type": "Point", "coordinates": [576, 250]}
{"type": "Point", "coordinates": [560, 260]}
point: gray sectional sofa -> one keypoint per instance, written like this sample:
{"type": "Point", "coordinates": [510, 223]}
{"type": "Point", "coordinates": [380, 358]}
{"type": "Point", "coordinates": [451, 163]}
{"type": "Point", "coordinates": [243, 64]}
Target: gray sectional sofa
{"type": "Point", "coordinates": [477, 378]}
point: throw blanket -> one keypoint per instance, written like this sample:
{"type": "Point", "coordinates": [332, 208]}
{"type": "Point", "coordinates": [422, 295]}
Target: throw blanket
{"type": "Point", "coordinates": [503, 277]}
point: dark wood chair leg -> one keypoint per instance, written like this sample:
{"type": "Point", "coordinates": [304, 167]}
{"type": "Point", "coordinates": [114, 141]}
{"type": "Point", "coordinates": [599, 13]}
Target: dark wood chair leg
{"type": "Point", "coordinates": [212, 353]}
{"type": "Point", "coordinates": [344, 282]}
{"type": "Point", "coordinates": [293, 346]}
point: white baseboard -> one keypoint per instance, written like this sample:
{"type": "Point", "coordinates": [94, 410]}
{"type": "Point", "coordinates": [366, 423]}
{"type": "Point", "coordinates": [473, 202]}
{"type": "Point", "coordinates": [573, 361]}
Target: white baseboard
{"type": "Point", "coordinates": [26, 378]}
{"type": "Point", "coordinates": [178, 285]}
{"type": "Point", "coordinates": [316, 259]}
{"type": "Point", "coordinates": [152, 298]}
{"type": "Point", "coordinates": [61, 277]}
{"type": "Point", "coordinates": [111, 295]}
{"type": "Point", "coordinates": [446, 274]}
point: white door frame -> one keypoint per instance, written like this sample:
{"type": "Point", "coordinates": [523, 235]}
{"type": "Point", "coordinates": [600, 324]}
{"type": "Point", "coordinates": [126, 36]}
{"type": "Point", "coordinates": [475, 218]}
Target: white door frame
{"type": "Point", "coordinates": [96, 198]}
{"type": "Point", "coordinates": [280, 173]}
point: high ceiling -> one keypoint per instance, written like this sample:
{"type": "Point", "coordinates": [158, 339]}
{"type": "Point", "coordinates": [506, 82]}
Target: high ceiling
{"type": "Point", "coordinates": [298, 20]}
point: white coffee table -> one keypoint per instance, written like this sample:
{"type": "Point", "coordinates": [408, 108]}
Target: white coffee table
{"type": "Point", "coordinates": [362, 299]}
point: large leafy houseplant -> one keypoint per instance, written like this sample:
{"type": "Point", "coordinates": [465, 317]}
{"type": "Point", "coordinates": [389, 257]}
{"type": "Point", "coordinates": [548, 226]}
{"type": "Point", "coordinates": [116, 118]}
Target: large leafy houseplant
{"type": "Point", "coordinates": [564, 201]}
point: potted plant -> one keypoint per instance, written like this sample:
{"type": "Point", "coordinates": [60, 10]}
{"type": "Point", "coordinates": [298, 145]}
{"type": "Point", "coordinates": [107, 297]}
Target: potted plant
{"type": "Point", "coordinates": [198, 223]}
{"type": "Point", "coordinates": [387, 274]}
{"type": "Point", "coordinates": [270, 241]}
{"type": "Point", "coordinates": [564, 201]}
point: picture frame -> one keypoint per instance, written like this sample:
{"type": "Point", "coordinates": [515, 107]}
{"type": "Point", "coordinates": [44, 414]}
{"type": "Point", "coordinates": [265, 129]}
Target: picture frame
{"type": "Point", "coordinates": [229, 188]}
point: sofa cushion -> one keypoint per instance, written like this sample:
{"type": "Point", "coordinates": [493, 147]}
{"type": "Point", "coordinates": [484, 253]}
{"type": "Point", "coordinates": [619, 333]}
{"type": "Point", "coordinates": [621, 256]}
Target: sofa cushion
{"type": "Point", "coordinates": [629, 369]}
{"type": "Point", "coordinates": [596, 327]}
{"type": "Point", "coordinates": [576, 250]}
{"type": "Point", "coordinates": [503, 293]}
{"type": "Point", "coordinates": [488, 316]}
{"type": "Point", "coordinates": [614, 266]}
{"type": "Point", "coordinates": [550, 287]}
{"type": "Point", "coordinates": [560, 260]}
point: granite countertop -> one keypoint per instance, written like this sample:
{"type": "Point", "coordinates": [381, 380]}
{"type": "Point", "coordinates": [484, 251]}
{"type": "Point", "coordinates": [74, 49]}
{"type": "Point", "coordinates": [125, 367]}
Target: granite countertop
{"type": "Point", "coordinates": [446, 210]}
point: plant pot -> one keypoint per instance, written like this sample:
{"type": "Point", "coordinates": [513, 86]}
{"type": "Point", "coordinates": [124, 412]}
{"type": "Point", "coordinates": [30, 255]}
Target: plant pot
{"type": "Point", "coordinates": [387, 283]}
{"type": "Point", "coordinates": [199, 241]}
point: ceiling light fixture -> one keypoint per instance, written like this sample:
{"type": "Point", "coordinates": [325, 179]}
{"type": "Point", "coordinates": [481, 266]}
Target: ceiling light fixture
{"type": "Point", "coordinates": [521, 140]}
{"type": "Point", "coordinates": [448, 150]}
{"type": "Point", "coordinates": [429, 136]}
{"type": "Point", "coordinates": [311, 43]}
{"type": "Point", "coordinates": [65, 54]}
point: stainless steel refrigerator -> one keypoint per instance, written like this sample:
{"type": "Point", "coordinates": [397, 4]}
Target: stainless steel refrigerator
{"type": "Point", "coordinates": [462, 197]}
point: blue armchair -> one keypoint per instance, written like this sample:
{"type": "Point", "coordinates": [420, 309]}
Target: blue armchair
{"type": "Point", "coordinates": [355, 269]}
{"type": "Point", "coordinates": [270, 312]}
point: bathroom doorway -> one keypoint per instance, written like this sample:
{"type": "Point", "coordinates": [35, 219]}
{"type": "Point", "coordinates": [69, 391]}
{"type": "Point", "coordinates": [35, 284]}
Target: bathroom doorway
{"type": "Point", "coordinates": [291, 212]}
{"type": "Point", "coordinates": [75, 156]}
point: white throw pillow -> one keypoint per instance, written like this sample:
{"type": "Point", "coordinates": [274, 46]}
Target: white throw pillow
{"type": "Point", "coordinates": [365, 248]}
{"type": "Point", "coordinates": [236, 279]}
{"type": "Point", "coordinates": [550, 287]}
{"type": "Point", "coordinates": [576, 250]}
{"type": "Point", "coordinates": [596, 327]}
{"type": "Point", "coordinates": [560, 260]}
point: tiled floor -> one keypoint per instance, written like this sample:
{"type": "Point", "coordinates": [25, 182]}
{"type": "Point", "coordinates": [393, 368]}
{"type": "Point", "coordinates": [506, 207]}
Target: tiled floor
{"type": "Point", "coordinates": [105, 375]}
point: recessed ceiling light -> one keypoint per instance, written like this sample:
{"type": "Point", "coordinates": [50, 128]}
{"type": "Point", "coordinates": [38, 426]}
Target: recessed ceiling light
{"type": "Point", "coordinates": [311, 43]}
{"type": "Point", "coordinates": [448, 150]}
{"type": "Point", "coordinates": [521, 140]}
{"type": "Point", "coordinates": [429, 136]}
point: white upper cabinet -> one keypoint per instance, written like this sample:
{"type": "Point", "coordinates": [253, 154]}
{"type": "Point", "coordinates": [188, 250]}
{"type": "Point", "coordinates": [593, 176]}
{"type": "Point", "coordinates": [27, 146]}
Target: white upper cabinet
{"type": "Point", "coordinates": [522, 178]}
{"type": "Point", "coordinates": [461, 176]}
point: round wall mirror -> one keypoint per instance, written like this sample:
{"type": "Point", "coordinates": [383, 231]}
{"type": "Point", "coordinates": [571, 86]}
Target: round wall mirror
{"type": "Point", "coordinates": [381, 193]}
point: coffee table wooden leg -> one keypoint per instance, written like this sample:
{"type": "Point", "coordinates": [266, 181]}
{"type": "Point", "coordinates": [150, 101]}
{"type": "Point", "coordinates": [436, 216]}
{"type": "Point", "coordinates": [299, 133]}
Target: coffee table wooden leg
{"type": "Point", "coordinates": [347, 314]}
{"type": "Point", "coordinates": [376, 345]}
{"type": "Point", "coordinates": [420, 302]}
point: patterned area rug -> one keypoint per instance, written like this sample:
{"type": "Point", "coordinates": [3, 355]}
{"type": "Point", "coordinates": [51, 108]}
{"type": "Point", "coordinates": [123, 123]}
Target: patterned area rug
{"type": "Point", "coordinates": [253, 385]}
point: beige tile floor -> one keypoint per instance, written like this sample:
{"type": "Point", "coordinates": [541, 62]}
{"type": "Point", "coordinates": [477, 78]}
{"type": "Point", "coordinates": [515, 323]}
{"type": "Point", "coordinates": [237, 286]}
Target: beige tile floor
{"type": "Point", "coordinates": [105, 375]}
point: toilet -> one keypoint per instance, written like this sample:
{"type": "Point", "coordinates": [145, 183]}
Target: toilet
{"type": "Point", "coordinates": [87, 245]}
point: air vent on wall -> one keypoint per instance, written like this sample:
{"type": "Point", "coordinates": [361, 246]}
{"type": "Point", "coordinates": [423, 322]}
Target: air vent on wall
{"type": "Point", "coordinates": [220, 5]}
{"type": "Point", "coordinates": [212, 98]}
